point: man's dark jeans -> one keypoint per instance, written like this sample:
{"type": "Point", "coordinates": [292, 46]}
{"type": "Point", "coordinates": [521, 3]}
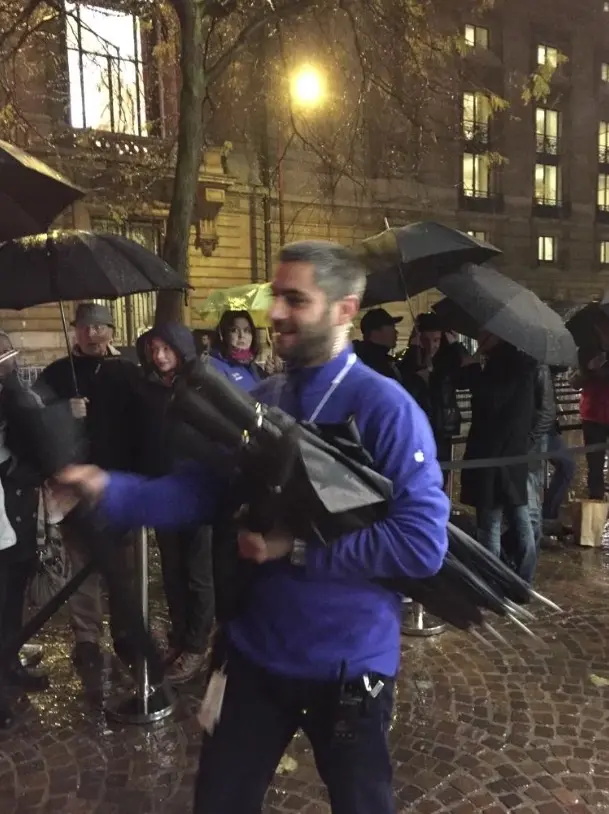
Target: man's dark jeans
{"type": "Point", "coordinates": [596, 434]}
{"type": "Point", "coordinates": [186, 562]}
{"type": "Point", "coordinates": [564, 472]}
{"type": "Point", "coordinates": [261, 714]}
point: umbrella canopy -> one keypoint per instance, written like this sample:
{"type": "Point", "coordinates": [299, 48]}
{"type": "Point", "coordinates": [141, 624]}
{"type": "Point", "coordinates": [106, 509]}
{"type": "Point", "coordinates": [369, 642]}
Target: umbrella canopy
{"type": "Point", "coordinates": [256, 298]}
{"type": "Point", "coordinates": [512, 312]}
{"type": "Point", "coordinates": [406, 261]}
{"type": "Point", "coordinates": [79, 266]}
{"type": "Point", "coordinates": [454, 318]}
{"type": "Point", "coordinates": [581, 322]}
{"type": "Point", "coordinates": [32, 194]}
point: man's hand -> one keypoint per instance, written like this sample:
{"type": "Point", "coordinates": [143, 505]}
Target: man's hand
{"type": "Point", "coordinates": [90, 481]}
{"type": "Point", "coordinates": [258, 548]}
{"type": "Point", "coordinates": [597, 362]}
{"type": "Point", "coordinates": [451, 337]}
{"type": "Point", "coordinates": [78, 408]}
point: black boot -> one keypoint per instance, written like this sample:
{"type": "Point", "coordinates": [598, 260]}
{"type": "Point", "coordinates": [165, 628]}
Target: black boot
{"type": "Point", "coordinates": [27, 680]}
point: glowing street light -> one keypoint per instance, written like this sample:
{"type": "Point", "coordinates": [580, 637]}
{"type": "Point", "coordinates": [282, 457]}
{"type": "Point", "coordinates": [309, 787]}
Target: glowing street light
{"type": "Point", "coordinates": [308, 86]}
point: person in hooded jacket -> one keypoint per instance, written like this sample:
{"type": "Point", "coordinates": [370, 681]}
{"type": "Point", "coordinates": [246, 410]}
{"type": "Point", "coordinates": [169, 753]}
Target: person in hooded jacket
{"type": "Point", "coordinates": [236, 350]}
{"type": "Point", "coordinates": [186, 552]}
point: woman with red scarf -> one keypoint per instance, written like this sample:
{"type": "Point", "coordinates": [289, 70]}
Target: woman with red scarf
{"type": "Point", "coordinates": [236, 350]}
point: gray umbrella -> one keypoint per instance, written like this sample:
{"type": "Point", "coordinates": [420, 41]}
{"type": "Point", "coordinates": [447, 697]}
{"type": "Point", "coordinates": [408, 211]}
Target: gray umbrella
{"type": "Point", "coordinates": [512, 312]}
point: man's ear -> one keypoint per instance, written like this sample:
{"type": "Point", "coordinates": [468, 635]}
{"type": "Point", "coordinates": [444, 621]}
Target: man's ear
{"type": "Point", "coordinates": [348, 308]}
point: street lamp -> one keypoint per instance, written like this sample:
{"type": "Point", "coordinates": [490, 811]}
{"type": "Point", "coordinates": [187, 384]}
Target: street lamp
{"type": "Point", "coordinates": [307, 87]}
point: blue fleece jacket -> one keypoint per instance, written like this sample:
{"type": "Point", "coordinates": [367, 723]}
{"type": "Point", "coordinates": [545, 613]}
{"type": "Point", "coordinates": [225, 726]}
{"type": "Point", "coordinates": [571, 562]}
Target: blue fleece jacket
{"type": "Point", "coordinates": [246, 377]}
{"type": "Point", "coordinates": [304, 622]}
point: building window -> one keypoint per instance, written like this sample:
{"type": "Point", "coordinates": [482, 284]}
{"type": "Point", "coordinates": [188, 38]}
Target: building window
{"type": "Point", "coordinates": [548, 55]}
{"type": "Point", "coordinates": [476, 176]}
{"type": "Point", "coordinates": [546, 249]}
{"type": "Point", "coordinates": [547, 130]}
{"type": "Point", "coordinates": [478, 235]}
{"type": "Point", "coordinates": [604, 252]}
{"type": "Point", "coordinates": [606, 6]}
{"type": "Point", "coordinates": [604, 71]}
{"type": "Point", "coordinates": [476, 115]}
{"type": "Point", "coordinates": [547, 185]}
{"type": "Point", "coordinates": [603, 142]}
{"type": "Point", "coordinates": [134, 314]}
{"type": "Point", "coordinates": [106, 71]}
{"type": "Point", "coordinates": [602, 198]}
{"type": "Point", "coordinates": [476, 36]}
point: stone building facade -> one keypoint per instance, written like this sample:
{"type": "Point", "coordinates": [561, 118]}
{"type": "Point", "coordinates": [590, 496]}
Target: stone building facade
{"type": "Point", "coordinates": [546, 205]}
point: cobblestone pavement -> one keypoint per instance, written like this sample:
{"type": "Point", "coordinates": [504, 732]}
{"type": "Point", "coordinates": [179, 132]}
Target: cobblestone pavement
{"type": "Point", "coordinates": [522, 728]}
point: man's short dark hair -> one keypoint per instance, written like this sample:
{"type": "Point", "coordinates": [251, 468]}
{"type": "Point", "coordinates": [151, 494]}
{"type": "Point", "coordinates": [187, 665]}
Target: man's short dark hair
{"type": "Point", "coordinates": [338, 272]}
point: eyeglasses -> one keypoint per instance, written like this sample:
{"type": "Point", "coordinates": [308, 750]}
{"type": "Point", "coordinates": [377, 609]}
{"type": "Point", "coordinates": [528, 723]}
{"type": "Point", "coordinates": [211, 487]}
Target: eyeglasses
{"type": "Point", "coordinates": [95, 329]}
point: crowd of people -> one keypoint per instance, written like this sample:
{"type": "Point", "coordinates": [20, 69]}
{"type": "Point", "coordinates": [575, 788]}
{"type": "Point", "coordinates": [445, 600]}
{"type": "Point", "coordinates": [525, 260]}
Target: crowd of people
{"type": "Point", "coordinates": [305, 637]}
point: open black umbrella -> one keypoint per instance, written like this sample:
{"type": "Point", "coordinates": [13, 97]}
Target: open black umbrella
{"type": "Point", "coordinates": [403, 262]}
{"type": "Point", "coordinates": [32, 194]}
{"type": "Point", "coordinates": [73, 265]}
{"type": "Point", "coordinates": [512, 312]}
{"type": "Point", "coordinates": [581, 321]}
{"type": "Point", "coordinates": [453, 318]}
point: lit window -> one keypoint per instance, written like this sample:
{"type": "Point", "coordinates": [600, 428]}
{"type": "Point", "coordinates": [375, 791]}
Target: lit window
{"type": "Point", "coordinates": [604, 71]}
{"type": "Point", "coordinates": [547, 185]}
{"type": "Point", "coordinates": [604, 252]}
{"type": "Point", "coordinates": [546, 249]}
{"type": "Point", "coordinates": [547, 130]}
{"type": "Point", "coordinates": [106, 71]}
{"type": "Point", "coordinates": [476, 176]}
{"type": "Point", "coordinates": [606, 6]}
{"type": "Point", "coordinates": [547, 55]}
{"type": "Point", "coordinates": [602, 198]}
{"type": "Point", "coordinates": [478, 235]}
{"type": "Point", "coordinates": [476, 36]}
{"type": "Point", "coordinates": [476, 114]}
{"type": "Point", "coordinates": [603, 142]}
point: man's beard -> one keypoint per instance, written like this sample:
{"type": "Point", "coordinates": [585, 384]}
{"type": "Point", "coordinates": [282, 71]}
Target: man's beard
{"type": "Point", "coordinates": [314, 345]}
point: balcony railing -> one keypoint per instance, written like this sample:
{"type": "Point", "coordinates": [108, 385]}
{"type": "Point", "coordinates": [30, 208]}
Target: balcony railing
{"type": "Point", "coordinates": [603, 154]}
{"type": "Point", "coordinates": [475, 132]}
{"type": "Point", "coordinates": [551, 207]}
{"type": "Point", "coordinates": [480, 200]}
{"type": "Point", "coordinates": [546, 145]}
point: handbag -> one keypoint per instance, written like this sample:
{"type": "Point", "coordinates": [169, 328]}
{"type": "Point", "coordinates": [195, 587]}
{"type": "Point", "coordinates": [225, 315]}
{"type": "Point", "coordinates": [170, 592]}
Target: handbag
{"type": "Point", "coordinates": [53, 563]}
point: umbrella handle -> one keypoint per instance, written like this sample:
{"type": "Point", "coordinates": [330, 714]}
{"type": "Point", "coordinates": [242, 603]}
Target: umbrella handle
{"type": "Point", "coordinates": [64, 325]}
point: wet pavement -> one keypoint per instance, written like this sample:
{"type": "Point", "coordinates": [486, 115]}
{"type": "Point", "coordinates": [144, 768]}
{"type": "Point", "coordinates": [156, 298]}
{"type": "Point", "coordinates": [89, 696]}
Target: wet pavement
{"type": "Point", "coordinates": [522, 728]}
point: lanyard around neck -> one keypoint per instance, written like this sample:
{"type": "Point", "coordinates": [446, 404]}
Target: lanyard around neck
{"type": "Point", "coordinates": [340, 377]}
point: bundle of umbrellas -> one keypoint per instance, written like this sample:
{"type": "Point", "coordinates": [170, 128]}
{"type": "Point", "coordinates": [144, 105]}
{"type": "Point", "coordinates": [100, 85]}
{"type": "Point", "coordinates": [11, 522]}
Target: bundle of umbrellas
{"type": "Point", "coordinates": [317, 482]}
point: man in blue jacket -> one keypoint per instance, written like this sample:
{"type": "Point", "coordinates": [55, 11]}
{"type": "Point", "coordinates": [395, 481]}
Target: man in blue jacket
{"type": "Point", "coordinates": [317, 643]}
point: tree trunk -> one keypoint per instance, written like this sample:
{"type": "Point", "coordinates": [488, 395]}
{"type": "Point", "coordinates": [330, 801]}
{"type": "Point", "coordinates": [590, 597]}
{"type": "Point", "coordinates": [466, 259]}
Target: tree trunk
{"type": "Point", "coordinates": [191, 14]}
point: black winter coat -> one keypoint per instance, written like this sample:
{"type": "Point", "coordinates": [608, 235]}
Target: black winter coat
{"type": "Point", "coordinates": [378, 358]}
{"type": "Point", "coordinates": [438, 395]}
{"type": "Point", "coordinates": [108, 385]}
{"type": "Point", "coordinates": [503, 413]}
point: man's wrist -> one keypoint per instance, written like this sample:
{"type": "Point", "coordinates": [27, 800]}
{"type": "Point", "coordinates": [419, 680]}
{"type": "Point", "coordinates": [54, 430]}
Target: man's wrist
{"type": "Point", "coordinates": [298, 555]}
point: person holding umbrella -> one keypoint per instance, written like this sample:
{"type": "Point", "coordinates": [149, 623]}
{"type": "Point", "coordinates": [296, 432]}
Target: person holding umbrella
{"type": "Point", "coordinates": [102, 398]}
{"type": "Point", "coordinates": [503, 412]}
{"type": "Point", "coordinates": [317, 643]}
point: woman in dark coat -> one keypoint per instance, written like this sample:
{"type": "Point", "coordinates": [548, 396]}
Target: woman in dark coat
{"type": "Point", "coordinates": [20, 484]}
{"type": "Point", "coordinates": [503, 410]}
{"type": "Point", "coordinates": [234, 354]}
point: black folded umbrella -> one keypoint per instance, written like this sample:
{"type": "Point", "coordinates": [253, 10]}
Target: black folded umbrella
{"type": "Point", "coordinates": [319, 482]}
{"type": "Point", "coordinates": [295, 477]}
{"type": "Point", "coordinates": [405, 261]}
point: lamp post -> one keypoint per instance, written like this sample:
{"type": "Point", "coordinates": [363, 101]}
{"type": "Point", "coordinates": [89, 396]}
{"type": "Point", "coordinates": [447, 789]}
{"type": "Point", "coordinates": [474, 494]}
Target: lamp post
{"type": "Point", "coordinates": [307, 93]}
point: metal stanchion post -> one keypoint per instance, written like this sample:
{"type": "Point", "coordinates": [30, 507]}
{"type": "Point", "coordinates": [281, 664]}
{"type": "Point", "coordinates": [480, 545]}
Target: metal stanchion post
{"type": "Point", "coordinates": [417, 627]}
{"type": "Point", "coordinates": [147, 704]}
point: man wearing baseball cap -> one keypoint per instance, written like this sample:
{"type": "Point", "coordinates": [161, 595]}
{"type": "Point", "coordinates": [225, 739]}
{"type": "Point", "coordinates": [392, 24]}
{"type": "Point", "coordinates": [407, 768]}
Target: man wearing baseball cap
{"type": "Point", "coordinates": [104, 401]}
{"type": "Point", "coordinates": [380, 338]}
